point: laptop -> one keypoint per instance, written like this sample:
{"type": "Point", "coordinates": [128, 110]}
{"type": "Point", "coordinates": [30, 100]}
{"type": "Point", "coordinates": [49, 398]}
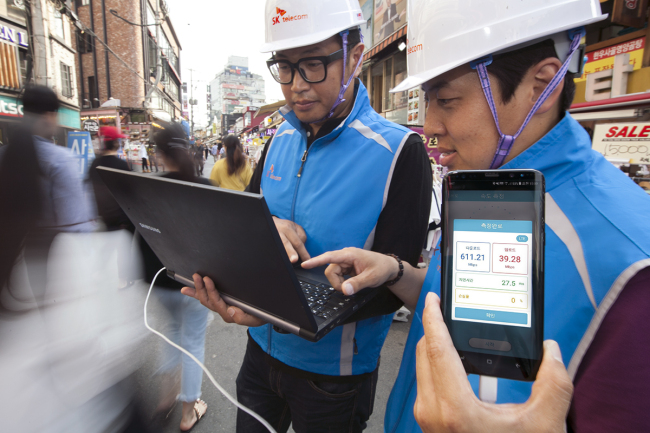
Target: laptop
{"type": "Point", "coordinates": [230, 237]}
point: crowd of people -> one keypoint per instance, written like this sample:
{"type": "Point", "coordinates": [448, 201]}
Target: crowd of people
{"type": "Point", "coordinates": [363, 210]}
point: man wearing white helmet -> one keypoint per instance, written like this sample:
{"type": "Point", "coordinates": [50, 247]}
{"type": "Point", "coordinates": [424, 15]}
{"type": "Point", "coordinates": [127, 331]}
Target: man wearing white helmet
{"type": "Point", "coordinates": [335, 175]}
{"type": "Point", "coordinates": [495, 75]}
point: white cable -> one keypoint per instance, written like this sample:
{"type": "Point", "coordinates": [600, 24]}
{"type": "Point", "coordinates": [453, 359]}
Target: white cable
{"type": "Point", "coordinates": [214, 382]}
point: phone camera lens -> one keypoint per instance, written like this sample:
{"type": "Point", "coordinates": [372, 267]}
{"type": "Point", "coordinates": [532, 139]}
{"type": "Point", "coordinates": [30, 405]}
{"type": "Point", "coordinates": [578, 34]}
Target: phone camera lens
{"type": "Point", "coordinates": [463, 176]}
{"type": "Point", "coordinates": [512, 175]}
{"type": "Point", "coordinates": [522, 175]}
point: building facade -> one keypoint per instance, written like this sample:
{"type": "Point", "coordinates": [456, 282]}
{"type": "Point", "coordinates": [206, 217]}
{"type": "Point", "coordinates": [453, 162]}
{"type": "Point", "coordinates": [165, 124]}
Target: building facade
{"type": "Point", "coordinates": [118, 54]}
{"type": "Point", "coordinates": [57, 71]}
{"type": "Point", "coordinates": [235, 88]}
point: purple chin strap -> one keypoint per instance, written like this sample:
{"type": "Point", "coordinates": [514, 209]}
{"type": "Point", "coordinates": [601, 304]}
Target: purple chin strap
{"type": "Point", "coordinates": [506, 141]}
{"type": "Point", "coordinates": [344, 86]}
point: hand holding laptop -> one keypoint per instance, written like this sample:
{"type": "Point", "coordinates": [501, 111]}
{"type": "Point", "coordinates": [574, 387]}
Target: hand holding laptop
{"type": "Point", "coordinates": [205, 292]}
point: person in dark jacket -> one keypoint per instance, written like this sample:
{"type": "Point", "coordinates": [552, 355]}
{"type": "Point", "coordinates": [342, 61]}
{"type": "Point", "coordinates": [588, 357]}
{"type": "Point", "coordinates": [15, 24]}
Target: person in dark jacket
{"type": "Point", "coordinates": [107, 208]}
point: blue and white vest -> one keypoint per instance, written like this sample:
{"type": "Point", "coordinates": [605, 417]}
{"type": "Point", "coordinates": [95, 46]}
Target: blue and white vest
{"type": "Point", "coordinates": [342, 189]}
{"type": "Point", "coordinates": [597, 239]}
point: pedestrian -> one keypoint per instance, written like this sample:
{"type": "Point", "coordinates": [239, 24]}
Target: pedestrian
{"type": "Point", "coordinates": [111, 213]}
{"type": "Point", "coordinates": [215, 152]}
{"type": "Point", "coordinates": [206, 151]}
{"type": "Point", "coordinates": [343, 154]}
{"type": "Point", "coordinates": [144, 157]}
{"type": "Point", "coordinates": [595, 297]}
{"type": "Point", "coordinates": [233, 172]}
{"type": "Point", "coordinates": [222, 151]}
{"type": "Point", "coordinates": [153, 159]}
{"type": "Point", "coordinates": [187, 317]}
{"type": "Point", "coordinates": [197, 151]}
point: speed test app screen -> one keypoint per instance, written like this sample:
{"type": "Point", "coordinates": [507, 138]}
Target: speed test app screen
{"type": "Point", "coordinates": [492, 270]}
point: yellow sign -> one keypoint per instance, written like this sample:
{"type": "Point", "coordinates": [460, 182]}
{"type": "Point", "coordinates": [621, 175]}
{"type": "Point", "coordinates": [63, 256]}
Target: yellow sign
{"type": "Point", "coordinates": [603, 59]}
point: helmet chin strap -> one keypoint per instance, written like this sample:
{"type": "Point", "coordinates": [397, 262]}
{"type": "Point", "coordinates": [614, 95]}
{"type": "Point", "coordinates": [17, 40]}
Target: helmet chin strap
{"type": "Point", "coordinates": [506, 141]}
{"type": "Point", "coordinates": [344, 86]}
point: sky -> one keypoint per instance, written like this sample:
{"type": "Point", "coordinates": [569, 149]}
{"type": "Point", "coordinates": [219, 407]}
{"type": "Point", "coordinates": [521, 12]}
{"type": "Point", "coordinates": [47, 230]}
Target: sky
{"type": "Point", "coordinates": [209, 32]}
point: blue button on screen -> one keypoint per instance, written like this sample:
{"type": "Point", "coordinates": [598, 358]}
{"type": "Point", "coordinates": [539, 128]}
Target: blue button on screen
{"type": "Point", "coordinates": [491, 315]}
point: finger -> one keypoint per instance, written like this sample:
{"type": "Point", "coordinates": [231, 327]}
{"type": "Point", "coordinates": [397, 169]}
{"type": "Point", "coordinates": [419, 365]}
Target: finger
{"type": "Point", "coordinates": [425, 403]}
{"type": "Point", "coordinates": [300, 232]}
{"type": "Point", "coordinates": [241, 317]}
{"type": "Point", "coordinates": [553, 388]}
{"type": "Point", "coordinates": [297, 244]}
{"type": "Point", "coordinates": [199, 289]}
{"type": "Point", "coordinates": [189, 291]}
{"type": "Point", "coordinates": [214, 301]}
{"type": "Point", "coordinates": [338, 257]}
{"type": "Point", "coordinates": [366, 278]}
{"type": "Point", "coordinates": [288, 246]}
{"type": "Point", "coordinates": [447, 370]}
{"type": "Point", "coordinates": [334, 274]}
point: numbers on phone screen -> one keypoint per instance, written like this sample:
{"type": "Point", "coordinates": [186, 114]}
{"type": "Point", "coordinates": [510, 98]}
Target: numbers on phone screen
{"type": "Point", "coordinates": [472, 257]}
{"type": "Point", "coordinates": [510, 259]}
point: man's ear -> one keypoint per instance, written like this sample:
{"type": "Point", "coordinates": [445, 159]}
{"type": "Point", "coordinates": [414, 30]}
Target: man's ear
{"type": "Point", "coordinates": [538, 78]}
{"type": "Point", "coordinates": [355, 54]}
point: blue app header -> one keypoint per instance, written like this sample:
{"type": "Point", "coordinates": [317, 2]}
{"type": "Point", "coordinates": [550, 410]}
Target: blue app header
{"type": "Point", "coordinates": [498, 226]}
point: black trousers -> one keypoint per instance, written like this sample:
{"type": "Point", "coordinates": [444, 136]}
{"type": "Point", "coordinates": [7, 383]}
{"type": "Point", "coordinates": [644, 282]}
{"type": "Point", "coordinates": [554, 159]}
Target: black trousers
{"type": "Point", "coordinates": [282, 399]}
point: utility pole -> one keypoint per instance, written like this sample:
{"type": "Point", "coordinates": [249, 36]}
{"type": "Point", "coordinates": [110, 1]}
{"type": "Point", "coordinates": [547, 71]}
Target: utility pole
{"type": "Point", "coordinates": [192, 104]}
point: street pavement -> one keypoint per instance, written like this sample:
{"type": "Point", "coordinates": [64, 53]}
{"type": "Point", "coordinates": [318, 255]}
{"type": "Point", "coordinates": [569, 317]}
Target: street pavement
{"type": "Point", "coordinates": [225, 345]}
{"type": "Point", "coordinates": [224, 351]}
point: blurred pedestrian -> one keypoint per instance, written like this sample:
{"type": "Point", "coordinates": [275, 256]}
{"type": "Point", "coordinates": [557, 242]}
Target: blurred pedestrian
{"type": "Point", "coordinates": [111, 213]}
{"type": "Point", "coordinates": [232, 172]}
{"type": "Point", "coordinates": [64, 332]}
{"type": "Point", "coordinates": [153, 159]}
{"type": "Point", "coordinates": [215, 152]}
{"type": "Point", "coordinates": [143, 155]}
{"type": "Point", "coordinates": [188, 318]}
{"type": "Point", "coordinates": [198, 159]}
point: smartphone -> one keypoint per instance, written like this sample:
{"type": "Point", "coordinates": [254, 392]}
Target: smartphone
{"type": "Point", "coordinates": [492, 289]}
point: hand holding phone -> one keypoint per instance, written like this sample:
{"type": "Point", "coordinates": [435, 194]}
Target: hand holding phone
{"type": "Point", "coordinates": [493, 270]}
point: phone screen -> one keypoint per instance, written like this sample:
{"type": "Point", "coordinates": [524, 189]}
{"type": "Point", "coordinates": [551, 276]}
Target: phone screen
{"type": "Point", "coordinates": [492, 270]}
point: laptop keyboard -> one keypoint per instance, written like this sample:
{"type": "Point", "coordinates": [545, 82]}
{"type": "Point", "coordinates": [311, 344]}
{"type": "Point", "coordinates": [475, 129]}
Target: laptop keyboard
{"type": "Point", "coordinates": [321, 299]}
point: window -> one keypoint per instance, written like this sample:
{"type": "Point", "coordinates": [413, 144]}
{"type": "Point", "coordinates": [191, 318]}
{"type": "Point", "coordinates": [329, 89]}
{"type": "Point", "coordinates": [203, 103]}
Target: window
{"type": "Point", "coordinates": [57, 24]}
{"type": "Point", "coordinates": [66, 81]}
{"type": "Point", "coordinates": [80, 3]}
{"type": "Point", "coordinates": [84, 43]}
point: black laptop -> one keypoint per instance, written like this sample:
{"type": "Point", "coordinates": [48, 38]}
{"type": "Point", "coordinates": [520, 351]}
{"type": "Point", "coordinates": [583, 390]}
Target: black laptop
{"type": "Point", "coordinates": [230, 237]}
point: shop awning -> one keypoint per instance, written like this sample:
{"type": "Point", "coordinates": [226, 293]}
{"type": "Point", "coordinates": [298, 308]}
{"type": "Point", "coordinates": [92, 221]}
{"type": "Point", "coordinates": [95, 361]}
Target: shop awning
{"type": "Point", "coordinates": [619, 101]}
{"type": "Point", "coordinates": [270, 108]}
{"type": "Point", "coordinates": [386, 42]}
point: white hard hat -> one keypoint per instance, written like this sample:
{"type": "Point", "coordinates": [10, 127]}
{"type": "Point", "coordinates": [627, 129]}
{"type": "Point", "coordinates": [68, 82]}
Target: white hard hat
{"type": "Point", "coordinates": [445, 34]}
{"type": "Point", "coordinates": [298, 23]}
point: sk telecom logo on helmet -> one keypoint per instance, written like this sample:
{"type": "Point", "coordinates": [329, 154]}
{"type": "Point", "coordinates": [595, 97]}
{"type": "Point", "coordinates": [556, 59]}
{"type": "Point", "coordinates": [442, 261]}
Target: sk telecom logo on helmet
{"type": "Point", "coordinates": [413, 48]}
{"type": "Point", "coordinates": [280, 18]}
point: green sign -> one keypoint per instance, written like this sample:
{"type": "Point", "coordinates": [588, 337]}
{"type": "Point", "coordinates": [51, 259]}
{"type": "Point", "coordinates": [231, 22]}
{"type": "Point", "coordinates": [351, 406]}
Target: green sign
{"type": "Point", "coordinates": [13, 107]}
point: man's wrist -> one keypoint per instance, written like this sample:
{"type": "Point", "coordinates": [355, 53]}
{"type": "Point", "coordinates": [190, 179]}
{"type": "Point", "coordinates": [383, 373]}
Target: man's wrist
{"type": "Point", "coordinates": [398, 270]}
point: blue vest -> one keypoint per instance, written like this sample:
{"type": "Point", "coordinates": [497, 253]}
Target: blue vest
{"type": "Point", "coordinates": [597, 239]}
{"type": "Point", "coordinates": [342, 189]}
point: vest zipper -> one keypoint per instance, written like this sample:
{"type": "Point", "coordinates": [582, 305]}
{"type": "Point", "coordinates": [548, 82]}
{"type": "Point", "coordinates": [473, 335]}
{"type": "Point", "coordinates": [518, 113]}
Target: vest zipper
{"type": "Point", "coordinates": [303, 159]}
{"type": "Point", "coordinates": [299, 175]}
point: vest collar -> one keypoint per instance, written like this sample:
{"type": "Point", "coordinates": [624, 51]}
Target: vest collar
{"type": "Point", "coordinates": [361, 103]}
{"type": "Point", "coordinates": [564, 152]}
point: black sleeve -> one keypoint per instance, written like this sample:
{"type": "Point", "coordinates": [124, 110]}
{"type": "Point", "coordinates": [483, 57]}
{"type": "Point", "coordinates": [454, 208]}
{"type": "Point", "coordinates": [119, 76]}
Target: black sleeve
{"type": "Point", "coordinates": [402, 225]}
{"type": "Point", "coordinates": [254, 185]}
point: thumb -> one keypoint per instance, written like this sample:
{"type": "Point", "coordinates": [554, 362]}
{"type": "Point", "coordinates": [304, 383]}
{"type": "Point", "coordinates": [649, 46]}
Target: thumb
{"type": "Point", "coordinates": [553, 389]}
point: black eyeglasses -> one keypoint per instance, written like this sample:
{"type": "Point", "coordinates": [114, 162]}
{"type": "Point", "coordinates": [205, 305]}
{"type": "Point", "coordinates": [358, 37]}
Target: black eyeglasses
{"type": "Point", "coordinates": [311, 69]}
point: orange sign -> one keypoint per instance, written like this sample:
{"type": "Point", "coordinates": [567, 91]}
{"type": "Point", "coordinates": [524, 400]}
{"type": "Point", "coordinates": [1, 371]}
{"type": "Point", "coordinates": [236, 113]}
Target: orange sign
{"type": "Point", "coordinates": [603, 59]}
